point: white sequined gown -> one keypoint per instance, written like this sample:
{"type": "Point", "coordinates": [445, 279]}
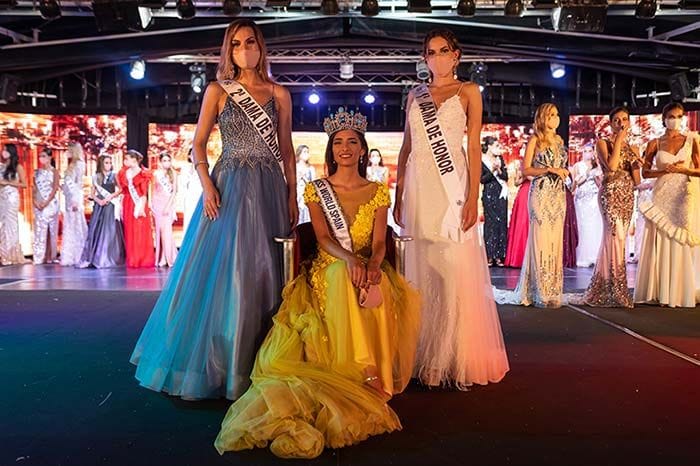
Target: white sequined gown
{"type": "Point", "coordinates": [46, 219]}
{"type": "Point", "coordinates": [10, 247]}
{"type": "Point", "coordinates": [668, 270]}
{"type": "Point", "coordinates": [74, 224]}
{"type": "Point", "coordinates": [460, 342]}
{"type": "Point", "coordinates": [542, 274]}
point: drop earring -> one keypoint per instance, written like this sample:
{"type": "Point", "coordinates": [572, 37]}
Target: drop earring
{"type": "Point", "coordinates": [454, 71]}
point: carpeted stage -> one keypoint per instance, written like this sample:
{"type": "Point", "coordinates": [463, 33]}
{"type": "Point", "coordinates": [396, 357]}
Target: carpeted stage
{"type": "Point", "coordinates": [581, 391]}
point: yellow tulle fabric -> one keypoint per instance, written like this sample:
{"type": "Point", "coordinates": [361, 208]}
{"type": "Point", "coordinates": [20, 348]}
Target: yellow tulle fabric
{"type": "Point", "coordinates": [308, 389]}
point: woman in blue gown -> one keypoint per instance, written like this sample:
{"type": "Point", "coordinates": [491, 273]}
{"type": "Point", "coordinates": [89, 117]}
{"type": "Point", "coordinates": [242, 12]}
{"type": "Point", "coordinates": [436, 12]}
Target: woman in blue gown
{"type": "Point", "coordinates": [216, 307]}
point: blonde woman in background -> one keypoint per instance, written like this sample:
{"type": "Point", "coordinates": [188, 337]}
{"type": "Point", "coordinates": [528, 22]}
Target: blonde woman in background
{"type": "Point", "coordinates": [74, 224]}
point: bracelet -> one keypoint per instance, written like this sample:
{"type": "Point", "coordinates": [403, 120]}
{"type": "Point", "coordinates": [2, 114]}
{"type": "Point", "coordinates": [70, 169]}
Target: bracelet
{"type": "Point", "coordinates": [371, 378]}
{"type": "Point", "coordinates": [201, 162]}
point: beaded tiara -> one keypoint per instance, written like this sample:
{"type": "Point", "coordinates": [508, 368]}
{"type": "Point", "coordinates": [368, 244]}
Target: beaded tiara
{"type": "Point", "coordinates": [344, 120]}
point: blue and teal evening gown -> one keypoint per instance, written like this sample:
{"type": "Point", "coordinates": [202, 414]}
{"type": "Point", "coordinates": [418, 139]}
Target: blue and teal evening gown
{"type": "Point", "coordinates": [216, 307]}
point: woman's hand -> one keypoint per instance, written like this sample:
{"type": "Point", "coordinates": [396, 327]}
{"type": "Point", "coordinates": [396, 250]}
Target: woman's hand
{"type": "Point", "coordinates": [357, 271]}
{"type": "Point", "coordinates": [676, 168]}
{"type": "Point", "coordinates": [293, 211]}
{"type": "Point", "coordinates": [562, 173]}
{"type": "Point", "coordinates": [374, 275]}
{"type": "Point", "coordinates": [211, 201]}
{"type": "Point", "coordinates": [469, 215]}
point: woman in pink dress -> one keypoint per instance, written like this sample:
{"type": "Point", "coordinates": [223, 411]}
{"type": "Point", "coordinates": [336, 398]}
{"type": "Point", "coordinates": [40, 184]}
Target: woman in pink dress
{"type": "Point", "coordinates": [138, 233]}
{"type": "Point", "coordinates": [519, 222]}
{"type": "Point", "coordinates": [163, 207]}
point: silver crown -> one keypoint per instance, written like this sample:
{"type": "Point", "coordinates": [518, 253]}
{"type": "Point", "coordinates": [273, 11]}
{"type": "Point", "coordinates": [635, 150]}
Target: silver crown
{"type": "Point", "coordinates": [344, 120]}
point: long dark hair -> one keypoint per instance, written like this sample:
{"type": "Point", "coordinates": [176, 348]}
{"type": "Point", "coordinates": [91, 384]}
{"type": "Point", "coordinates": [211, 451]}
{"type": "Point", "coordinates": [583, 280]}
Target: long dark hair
{"type": "Point", "coordinates": [486, 143]}
{"type": "Point", "coordinates": [333, 166]}
{"type": "Point", "coordinates": [99, 171]}
{"type": "Point", "coordinates": [11, 169]}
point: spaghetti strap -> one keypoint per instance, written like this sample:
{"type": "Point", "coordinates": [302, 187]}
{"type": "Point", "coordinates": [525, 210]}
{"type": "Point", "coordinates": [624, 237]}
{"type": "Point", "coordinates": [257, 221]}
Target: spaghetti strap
{"type": "Point", "coordinates": [460, 88]}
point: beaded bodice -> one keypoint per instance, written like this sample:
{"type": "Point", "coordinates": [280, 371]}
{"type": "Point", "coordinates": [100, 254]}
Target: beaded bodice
{"type": "Point", "coordinates": [241, 144]}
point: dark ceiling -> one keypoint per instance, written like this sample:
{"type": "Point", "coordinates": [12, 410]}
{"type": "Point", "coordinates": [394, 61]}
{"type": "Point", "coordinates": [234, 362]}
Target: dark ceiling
{"type": "Point", "coordinates": [628, 61]}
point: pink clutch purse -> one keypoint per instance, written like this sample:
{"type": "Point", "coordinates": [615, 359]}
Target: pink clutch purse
{"type": "Point", "coordinates": [371, 296]}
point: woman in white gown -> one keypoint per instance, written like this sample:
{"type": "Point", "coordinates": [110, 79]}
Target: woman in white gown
{"type": "Point", "coordinates": [45, 200]}
{"type": "Point", "coordinates": [12, 179]}
{"type": "Point", "coordinates": [667, 272]}
{"type": "Point", "coordinates": [542, 276]}
{"type": "Point", "coordinates": [74, 225]}
{"type": "Point", "coordinates": [461, 342]}
{"type": "Point", "coordinates": [587, 177]}
{"type": "Point", "coordinates": [306, 173]}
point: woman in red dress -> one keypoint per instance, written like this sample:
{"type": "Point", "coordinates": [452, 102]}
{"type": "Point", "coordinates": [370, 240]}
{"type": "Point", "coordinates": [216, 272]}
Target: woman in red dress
{"type": "Point", "coordinates": [519, 222]}
{"type": "Point", "coordinates": [138, 232]}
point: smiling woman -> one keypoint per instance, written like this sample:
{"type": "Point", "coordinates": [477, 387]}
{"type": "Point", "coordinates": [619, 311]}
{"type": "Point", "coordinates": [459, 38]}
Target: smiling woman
{"type": "Point", "coordinates": [343, 342]}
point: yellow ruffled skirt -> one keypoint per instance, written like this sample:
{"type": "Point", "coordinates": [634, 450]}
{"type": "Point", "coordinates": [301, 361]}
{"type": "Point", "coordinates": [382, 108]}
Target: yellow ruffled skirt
{"type": "Point", "coordinates": [308, 385]}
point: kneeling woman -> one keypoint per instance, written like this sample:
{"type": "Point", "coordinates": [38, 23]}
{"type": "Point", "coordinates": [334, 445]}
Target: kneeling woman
{"type": "Point", "coordinates": [326, 369]}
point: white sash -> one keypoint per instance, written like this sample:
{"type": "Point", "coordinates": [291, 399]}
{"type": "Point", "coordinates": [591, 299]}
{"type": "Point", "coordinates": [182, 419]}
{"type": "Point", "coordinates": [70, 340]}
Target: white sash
{"type": "Point", "coordinates": [105, 194]}
{"type": "Point", "coordinates": [334, 215]}
{"type": "Point", "coordinates": [164, 181]}
{"type": "Point", "coordinates": [139, 202]}
{"type": "Point", "coordinates": [444, 162]}
{"type": "Point", "coordinates": [260, 120]}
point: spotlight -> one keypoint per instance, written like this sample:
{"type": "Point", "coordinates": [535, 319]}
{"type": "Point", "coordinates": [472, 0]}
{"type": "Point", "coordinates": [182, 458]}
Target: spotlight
{"type": "Point", "coordinates": [558, 70]}
{"type": "Point", "coordinates": [514, 8]}
{"type": "Point", "coordinates": [138, 69]}
{"type": "Point", "coordinates": [422, 70]}
{"type": "Point", "coordinates": [232, 7]}
{"type": "Point", "coordinates": [314, 98]}
{"type": "Point", "coordinates": [198, 80]}
{"type": "Point", "coordinates": [477, 74]}
{"type": "Point", "coordinates": [369, 97]}
{"type": "Point", "coordinates": [185, 9]}
{"type": "Point", "coordinates": [329, 7]}
{"type": "Point", "coordinates": [419, 6]}
{"type": "Point", "coordinates": [369, 7]}
{"type": "Point", "coordinates": [466, 8]}
{"type": "Point", "coordinates": [646, 9]}
{"type": "Point", "coordinates": [49, 9]}
{"type": "Point", "coordinates": [346, 69]}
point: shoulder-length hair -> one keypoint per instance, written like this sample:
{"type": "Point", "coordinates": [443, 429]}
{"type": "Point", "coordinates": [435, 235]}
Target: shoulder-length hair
{"type": "Point", "coordinates": [331, 164]}
{"type": "Point", "coordinates": [75, 152]}
{"type": "Point", "coordinates": [227, 68]}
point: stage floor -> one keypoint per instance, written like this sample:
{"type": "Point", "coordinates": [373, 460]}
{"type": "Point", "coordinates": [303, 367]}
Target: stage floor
{"type": "Point", "coordinates": [586, 386]}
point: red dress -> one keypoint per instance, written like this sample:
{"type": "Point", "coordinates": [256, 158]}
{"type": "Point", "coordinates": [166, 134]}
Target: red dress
{"type": "Point", "coordinates": [138, 232]}
{"type": "Point", "coordinates": [519, 227]}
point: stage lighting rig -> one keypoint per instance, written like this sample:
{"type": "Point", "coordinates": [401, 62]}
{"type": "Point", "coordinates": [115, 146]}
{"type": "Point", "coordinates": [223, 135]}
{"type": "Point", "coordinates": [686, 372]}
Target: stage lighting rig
{"type": "Point", "coordinates": [466, 8]}
{"type": "Point", "coordinates": [49, 9]}
{"type": "Point", "coordinates": [369, 7]}
{"type": "Point", "coordinates": [232, 7]}
{"type": "Point", "coordinates": [185, 9]}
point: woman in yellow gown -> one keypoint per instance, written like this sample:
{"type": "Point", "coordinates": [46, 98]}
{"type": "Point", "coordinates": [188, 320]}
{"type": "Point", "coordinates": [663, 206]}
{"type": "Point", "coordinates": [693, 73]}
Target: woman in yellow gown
{"type": "Point", "coordinates": [328, 366]}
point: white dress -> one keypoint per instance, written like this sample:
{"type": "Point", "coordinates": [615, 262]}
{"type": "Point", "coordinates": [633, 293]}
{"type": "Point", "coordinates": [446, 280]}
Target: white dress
{"type": "Point", "coordinates": [460, 342]}
{"type": "Point", "coordinates": [306, 173]}
{"type": "Point", "coordinates": [588, 217]}
{"type": "Point", "coordinates": [74, 225]}
{"type": "Point", "coordinates": [10, 247]}
{"type": "Point", "coordinates": [667, 272]}
{"type": "Point", "coordinates": [541, 280]}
